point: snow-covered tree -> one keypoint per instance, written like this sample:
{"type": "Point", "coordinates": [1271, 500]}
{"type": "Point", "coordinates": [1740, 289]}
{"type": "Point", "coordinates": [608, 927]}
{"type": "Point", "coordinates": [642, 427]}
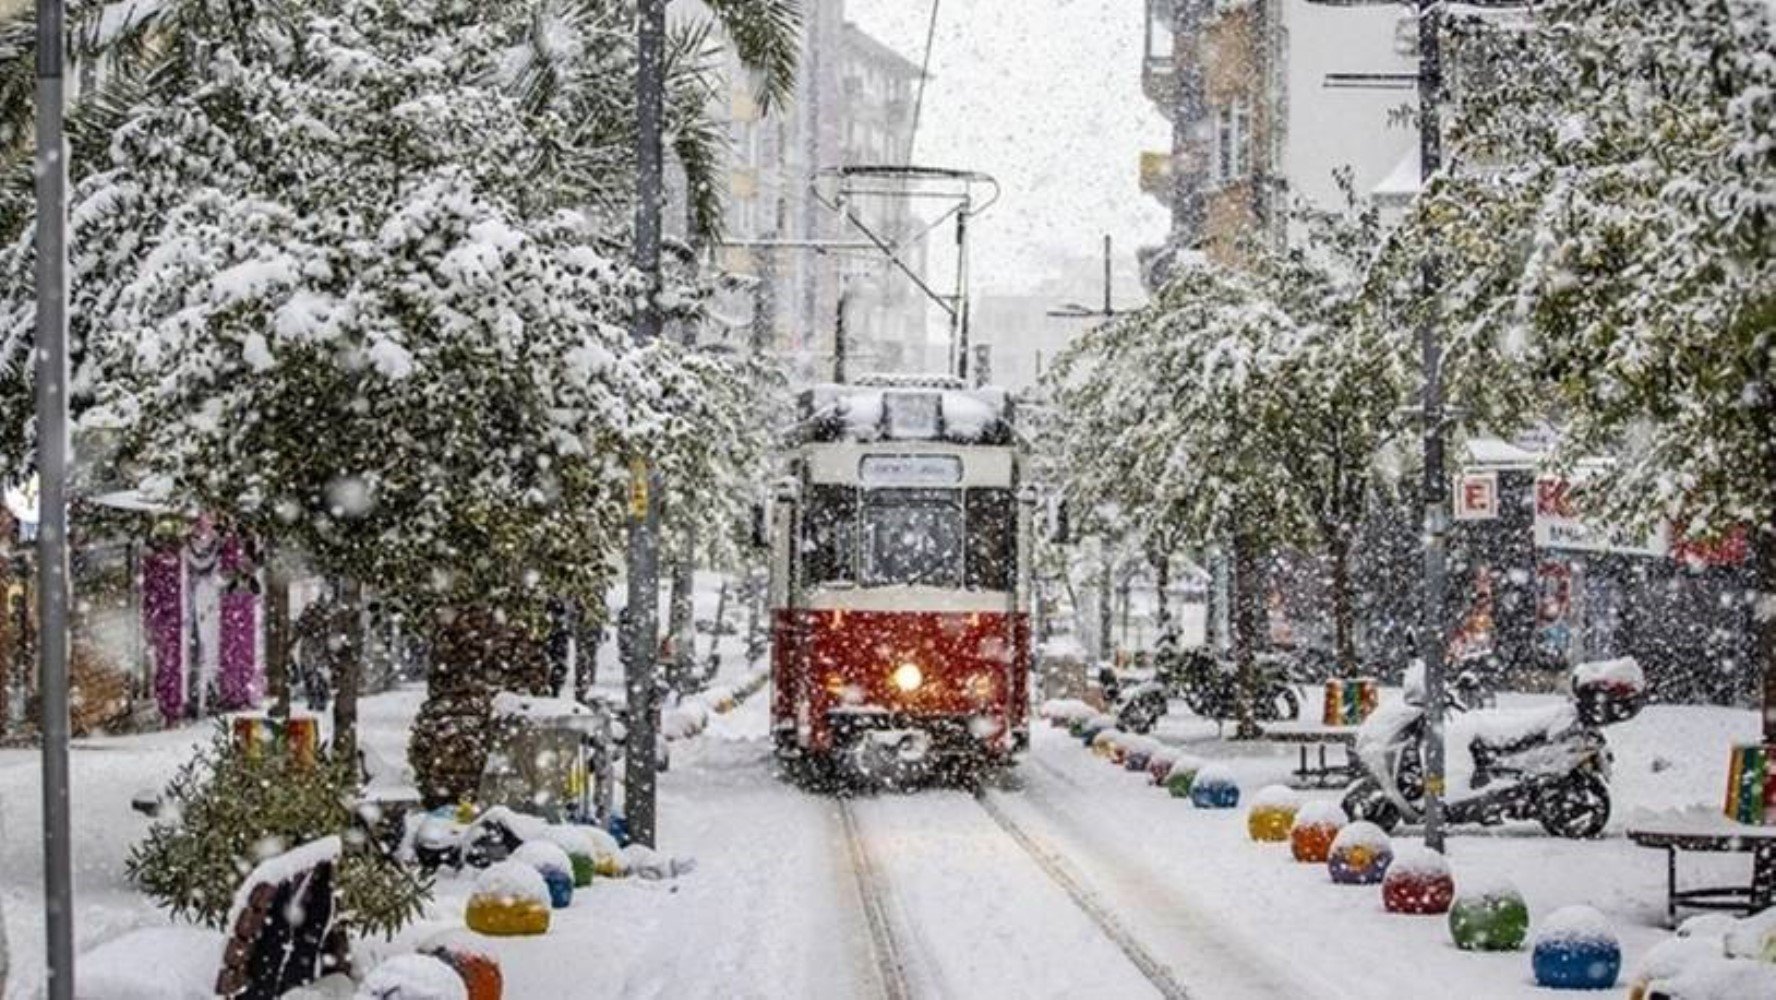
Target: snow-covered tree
{"type": "Point", "coordinates": [1610, 214]}
{"type": "Point", "coordinates": [1163, 411]}
{"type": "Point", "coordinates": [349, 274]}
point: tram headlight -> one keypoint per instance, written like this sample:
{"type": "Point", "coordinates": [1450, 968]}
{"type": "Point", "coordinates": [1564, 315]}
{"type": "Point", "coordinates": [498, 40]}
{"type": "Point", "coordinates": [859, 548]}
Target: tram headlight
{"type": "Point", "coordinates": [907, 677]}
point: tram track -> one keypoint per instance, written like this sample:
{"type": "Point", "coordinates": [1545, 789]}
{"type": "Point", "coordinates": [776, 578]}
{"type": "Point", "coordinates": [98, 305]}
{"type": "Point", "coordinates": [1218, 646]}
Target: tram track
{"type": "Point", "coordinates": [1088, 902]}
{"type": "Point", "coordinates": [903, 973]}
{"type": "Point", "coordinates": [885, 949]}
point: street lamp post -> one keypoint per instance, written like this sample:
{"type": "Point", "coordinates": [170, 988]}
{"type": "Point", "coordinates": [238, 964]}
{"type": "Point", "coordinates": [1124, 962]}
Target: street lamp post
{"type": "Point", "coordinates": [52, 472]}
{"type": "Point", "coordinates": [1432, 651]}
{"type": "Point", "coordinates": [643, 615]}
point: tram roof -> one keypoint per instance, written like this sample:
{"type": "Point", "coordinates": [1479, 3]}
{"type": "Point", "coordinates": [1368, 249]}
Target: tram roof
{"type": "Point", "coordinates": [929, 409]}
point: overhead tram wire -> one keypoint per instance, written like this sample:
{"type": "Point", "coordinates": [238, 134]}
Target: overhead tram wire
{"type": "Point", "coordinates": [924, 75]}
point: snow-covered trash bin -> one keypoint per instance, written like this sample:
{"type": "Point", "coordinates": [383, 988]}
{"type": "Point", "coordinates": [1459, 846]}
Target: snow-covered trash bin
{"type": "Point", "coordinates": [1491, 916]}
{"type": "Point", "coordinates": [1576, 949]}
{"type": "Point", "coordinates": [1214, 788]}
{"type": "Point", "coordinates": [511, 899]}
{"type": "Point", "coordinates": [413, 977]}
{"type": "Point", "coordinates": [1316, 825]}
{"type": "Point", "coordinates": [1360, 854]}
{"type": "Point", "coordinates": [1418, 881]}
{"type": "Point", "coordinates": [553, 864]}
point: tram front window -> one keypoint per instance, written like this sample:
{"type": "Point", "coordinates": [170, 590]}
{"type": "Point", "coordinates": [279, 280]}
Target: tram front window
{"type": "Point", "coordinates": [912, 537]}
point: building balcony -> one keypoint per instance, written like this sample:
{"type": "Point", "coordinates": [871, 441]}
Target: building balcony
{"type": "Point", "coordinates": [1159, 81]}
{"type": "Point", "coordinates": [1156, 176]}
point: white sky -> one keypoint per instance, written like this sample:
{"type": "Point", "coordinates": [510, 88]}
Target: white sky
{"type": "Point", "coordinates": [1046, 96]}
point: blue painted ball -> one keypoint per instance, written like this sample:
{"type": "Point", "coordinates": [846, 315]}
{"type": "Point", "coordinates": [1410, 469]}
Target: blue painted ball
{"type": "Point", "coordinates": [1575, 949]}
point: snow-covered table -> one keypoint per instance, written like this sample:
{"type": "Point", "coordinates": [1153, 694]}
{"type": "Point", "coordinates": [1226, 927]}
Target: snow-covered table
{"type": "Point", "coordinates": [1321, 773]}
{"type": "Point", "coordinates": [1708, 831]}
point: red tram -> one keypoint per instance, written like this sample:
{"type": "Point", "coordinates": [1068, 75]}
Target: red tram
{"type": "Point", "coordinates": [899, 568]}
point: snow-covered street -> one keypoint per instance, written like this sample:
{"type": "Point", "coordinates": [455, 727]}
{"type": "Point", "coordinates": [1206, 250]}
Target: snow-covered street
{"type": "Point", "coordinates": [1068, 878]}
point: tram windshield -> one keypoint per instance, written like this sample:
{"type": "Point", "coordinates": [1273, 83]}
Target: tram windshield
{"type": "Point", "coordinates": [909, 537]}
{"type": "Point", "coordinates": [912, 537]}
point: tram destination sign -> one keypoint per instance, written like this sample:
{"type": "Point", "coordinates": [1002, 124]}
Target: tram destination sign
{"type": "Point", "coordinates": [910, 470]}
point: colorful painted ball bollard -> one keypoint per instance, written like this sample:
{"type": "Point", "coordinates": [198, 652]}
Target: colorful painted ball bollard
{"type": "Point", "coordinates": [1360, 855]}
{"type": "Point", "coordinates": [1316, 826]}
{"type": "Point", "coordinates": [1272, 814]}
{"type": "Point", "coordinates": [1417, 882]}
{"type": "Point", "coordinates": [1181, 776]}
{"type": "Point", "coordinates": [1575, 949]}
{"type": "Point", "coordinates": [1107, 744]}
{"type": "Point", "coordinates": [1159, 765]}
{"type": "Point", "coordinates": [1137, 751]}
{"type": "Point", "coordinates": [1214, 788]}
{"type": "Point", "coordinates": [510, 900]}
{"type": "Point", "coordinates": [478, 968]}
{"type": "Point", "coordinates": [1491, 918]}
{"type": "Point", "coordinates": [582, 852]}
{"type": "Point", "coordinates": [553, 864]}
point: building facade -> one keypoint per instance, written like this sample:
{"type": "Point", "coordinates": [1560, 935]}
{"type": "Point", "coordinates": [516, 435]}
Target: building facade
{"type": "Point", "coordinates": [807, 285]}
{"type": "Point", "coordinates": [1268, 100]}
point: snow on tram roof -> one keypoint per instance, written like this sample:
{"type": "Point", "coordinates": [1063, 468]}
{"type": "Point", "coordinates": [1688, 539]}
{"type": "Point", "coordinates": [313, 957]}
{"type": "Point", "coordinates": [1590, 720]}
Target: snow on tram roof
{"type": "Point", "coordinates": [922, 408]}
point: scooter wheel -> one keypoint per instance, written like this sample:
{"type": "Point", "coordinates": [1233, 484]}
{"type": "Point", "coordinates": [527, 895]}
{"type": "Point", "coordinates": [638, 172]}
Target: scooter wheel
{"type": "Point", "coordinates": [1578, 808]}
{"type": "Point", "coordinates": [1366, 801]}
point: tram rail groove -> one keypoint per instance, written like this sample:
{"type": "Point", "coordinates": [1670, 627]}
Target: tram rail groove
{"type": "Point", "coordinates": [891, 967]}
{"type": "Point", "coordinates": [1151, 968]}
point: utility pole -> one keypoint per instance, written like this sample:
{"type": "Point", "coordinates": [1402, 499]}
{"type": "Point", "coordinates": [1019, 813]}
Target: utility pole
{"type": "Point", "coordinates": [642, 687]}
{"type": "Point", "coordinates": [52, 509]}
{"type": "Point", "coordinates": [1436, 499]}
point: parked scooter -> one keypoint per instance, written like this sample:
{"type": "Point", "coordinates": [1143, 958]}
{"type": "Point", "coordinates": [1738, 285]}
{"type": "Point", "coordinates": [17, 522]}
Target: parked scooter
{"type": "Point", "coordinates": [1549, 764]}
{"type": "Point", "coordinates": [1209, 686]}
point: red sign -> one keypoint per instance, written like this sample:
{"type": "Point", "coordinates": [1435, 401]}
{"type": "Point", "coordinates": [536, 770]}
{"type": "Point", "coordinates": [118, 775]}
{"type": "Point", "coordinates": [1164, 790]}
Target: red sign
{"type": "Point", "coordinates": [1477, 496]}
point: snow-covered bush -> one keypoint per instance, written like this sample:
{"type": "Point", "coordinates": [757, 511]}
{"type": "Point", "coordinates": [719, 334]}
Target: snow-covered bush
{"type": "Point", "coordinates": [228, 810]}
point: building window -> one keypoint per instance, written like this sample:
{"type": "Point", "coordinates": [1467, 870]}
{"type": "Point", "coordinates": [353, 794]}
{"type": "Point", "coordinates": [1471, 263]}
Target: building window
{"type": "Point", "coordinates": [1233, 134]}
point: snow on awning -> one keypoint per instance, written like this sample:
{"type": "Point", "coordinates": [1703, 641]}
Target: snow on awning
{"type": "Point", "coordinates": [1402, 183]}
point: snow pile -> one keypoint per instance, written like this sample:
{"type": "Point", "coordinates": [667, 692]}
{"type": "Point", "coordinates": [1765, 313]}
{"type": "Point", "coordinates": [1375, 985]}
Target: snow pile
{"type": "Point", "coordinates": [1275, 797]}
{"type": "Point", "coordinates": [1571, 925]}
{"type": "Point", "coordinates": [1621, 673]}
{"type": "Point", "coordinates": [1418, 861]}
{"type": "Point", "coordinates": [1362, 834]}
{"type": "Point", "coordinates": [1321, 812]}
{"type": "Point", "coordinates": [532, 708]}
{"type": "Point", "coordinates": [413, 977]}
{"type": "Point", "coordinates": [646, 863]}
{"type": "Point", "coordinates": [185, 961]}
{"type": "Point", "coordinates": [522, 826]}
{"type": "Point", "coordinates": [572, 839]}
{"type": "Point", "coordinates": [686, 719]}
{"type": "Point", "coordinates": [543, 855]}
{"type": "Point", "coordinates": [1214, 775]}
{"type": "Point", "coordinates": [1065, 710]}
{"type": "Point", "coordinates": [1061, 647]}
{"type": "Point", "coordinates": [511, 882]}
{"type": "Point", "coordinates": [1753, 937]}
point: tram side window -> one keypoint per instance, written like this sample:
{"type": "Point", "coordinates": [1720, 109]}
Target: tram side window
{"type": "Point", "coordinates": [992, 539]}
{"type": "Point", "coordinates": [829, 534]}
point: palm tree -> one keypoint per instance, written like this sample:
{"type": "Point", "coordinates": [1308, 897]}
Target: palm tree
{"type": "Point", "coordinates": [156, 48]}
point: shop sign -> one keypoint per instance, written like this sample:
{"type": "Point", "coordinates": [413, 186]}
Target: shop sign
{"type": "Point", "coordinates": [1558, 526]}
{"type": "Point", "coordinates": [1477, 496]}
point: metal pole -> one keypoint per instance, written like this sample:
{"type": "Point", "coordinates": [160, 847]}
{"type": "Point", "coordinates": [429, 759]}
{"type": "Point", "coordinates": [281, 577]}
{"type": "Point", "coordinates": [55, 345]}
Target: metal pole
{"type": "Point", "coordinates": [840, 348]}
{"type": "Point", "coordinates": [1108, 311]}
{"type": "Point", "coordinates": [644, 524]}
{"type": "Point", "coordinates": [52, 471]}
{"type": "Point", "coordinates": [1436, 501]}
